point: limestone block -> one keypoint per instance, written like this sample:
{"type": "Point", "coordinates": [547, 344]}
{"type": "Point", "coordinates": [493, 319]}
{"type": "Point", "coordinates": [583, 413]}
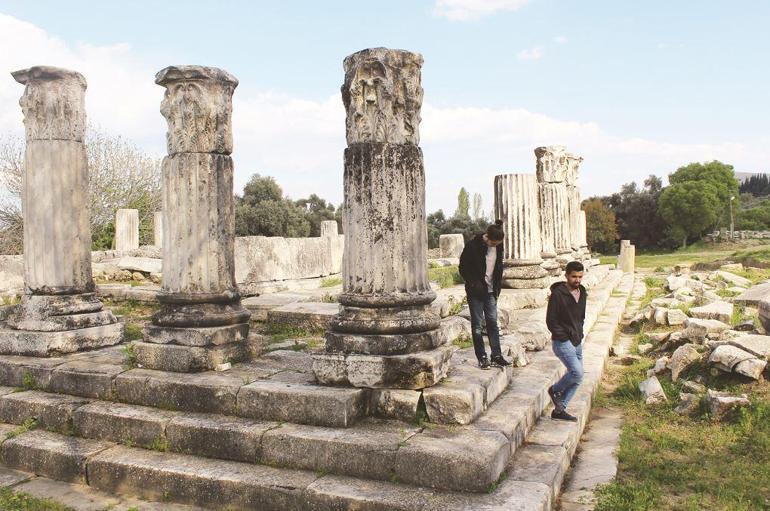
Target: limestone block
{"type": "Point", "coordinates": [660, 316]}
{"type": "Point", "coordinates": [698, 329]}
{"type": "Point", "coordinates": [142, 264]}
{"type": "Point", "coordinates": [126, 230]}
{"type": "Point", "coordinates": [455, 327]}
{"type": "Point", "coordinates": [727, 357]}
{"type": "Point", "coordinates": [751, 368]}
{"type": "Point", "coordinates": [721, 311]}
{"type": "Point", "coordinates": [395, 404]}
{"type": "Point", "coordinates": [722, 403]}
{"type": "Point", "coordinates": [683, 358]}
{"type": "Point", "coordinates": [764, 313]}
{"type": "Point", "coordinates": [453, 403]}
{"type": "Point", "coordinates": [652, 391]}
{"type": "Point", "coordinates": [307, 315]}
{"type": "Point", "coordinates": [753, 295]}
{"type": "Point", "coordinates": [186, 359]}
{"type": "Point", "coordinates": [674, 282]}
{"type": "Point", "coordinates": [51, 411]}
{"type": "Point", "coordinates": [122, 423]}
{"type": "Point", "coordinates": [660, 366]}
{"type": "Point", "coordinates": [758, 345]}
{"type": "Point", "coordinates": [46, 344]}
{"type": "Point", "coordinates": [676, 317]}
{"type": "Point", "coordinates": [217, 436]}
{"type": "Point", "coordinates": [731, 278]}
{"type": "Point", "coordinates": [451, 245]}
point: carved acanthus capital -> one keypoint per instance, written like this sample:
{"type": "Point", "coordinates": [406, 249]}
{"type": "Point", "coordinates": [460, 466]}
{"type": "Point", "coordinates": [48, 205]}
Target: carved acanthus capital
{"type": "Point", "coordinates": [573, 167]}
{"type": "Point", "coordinates": [53, 103]}
{"type": "Point", "coordinates": [383, 96]}
{"type": "Point", "coordinates": [551, 164]}
{"type": "Point", "coordinates": [198, 106]}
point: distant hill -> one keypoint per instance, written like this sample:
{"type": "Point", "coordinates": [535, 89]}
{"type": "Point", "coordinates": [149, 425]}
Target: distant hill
{"type": "Point", "coordinates": [744, 176]}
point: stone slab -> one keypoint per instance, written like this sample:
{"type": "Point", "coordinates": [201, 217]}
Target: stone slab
{"type": "Point", "coordinates": [545, 464]}
{"type": "Point", "coordinates": [753, 295]}
{"type": "Point", "coordinates": [51, 411]}
{"type": "Point", "coordinates": [21, 371]}
{"type": "Point", "coordinates": [50, 454]}
{"type": "Point", "coordinates": [86, 378]}
{"type": "Point", "coordinates": [46, 344]}
{"type": "Point", "coordinates": [395, 404]}
{"type": "Point", "coordinates": [218, 436]}
{"type": "Point", "coordinates": [142, 264]}
{"type": "Point", "coordinates": [758, 345]}
{"type": "Point", "coordinates": [122, 423]}
{"type": "Point", "coordinates": [187, 359]}
{"type": "Point", "coordinates": [335, 493]}
{"type": "Point", "coordinates": [465, 459]}
{"type": "Point", "coordinates": [302, 404]}
{"type": "Point", "coordinates": [259, 305]}
{"type": "Point", "coordinates": [306, 315]}
{"type": "Point", "coordinates": [200, 481]}
{"type": "Point", "coordinates": [197, 336]}
{"type": "Point", "coordinates": [10, 477]}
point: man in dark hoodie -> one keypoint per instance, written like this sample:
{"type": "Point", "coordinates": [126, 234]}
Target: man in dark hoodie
{"type": "Point", "coordinates": [481, 266]}
{"type": "Point", "coordinates": [564, 317]}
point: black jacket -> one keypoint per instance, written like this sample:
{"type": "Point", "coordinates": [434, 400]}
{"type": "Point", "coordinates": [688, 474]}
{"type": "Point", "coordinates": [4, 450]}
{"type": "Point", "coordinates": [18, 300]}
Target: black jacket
{"type": "Point", "coordinates": [565, 316]}
{"type": "Point", "coordinates": [473, 268]}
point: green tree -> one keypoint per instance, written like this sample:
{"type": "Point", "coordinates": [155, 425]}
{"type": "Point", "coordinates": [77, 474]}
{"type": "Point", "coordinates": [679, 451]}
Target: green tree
{"type": "Point", "coordinates": [463, 204]}
{"type": "Point", "coordinates": [264, 211]}
{"type": "Point", "coordinates": [316, 211]}
{"type": "Point", "coordinates": [636, 212]}
{"type": "Point", "coordinates": [689, 208]}
{"type": "Point", "coordinates": [720, 175]}
{"type": "Point", "coordinates": [600, 225]}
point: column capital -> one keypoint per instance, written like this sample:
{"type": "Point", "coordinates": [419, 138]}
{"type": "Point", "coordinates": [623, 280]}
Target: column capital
{"type": "Point", "coordinates": [198, 108]}
{"type": "Point", "coordinates": [53, 103]}
{"type": "Point", "coordinates": [382, 95]}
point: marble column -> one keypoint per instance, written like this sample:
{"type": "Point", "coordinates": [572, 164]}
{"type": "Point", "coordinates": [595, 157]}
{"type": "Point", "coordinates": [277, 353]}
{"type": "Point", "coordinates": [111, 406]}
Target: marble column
{"type": "Point", "coordinates": [573, 201]}
{"type": "Point", "coordinates": [551, 169]}
{"type": "Point", "coordinates": [329, 228]}
{"type": "Point", "coordinates": [59, 311]}
{"type": "Point", "coordinates": [583, 235]}
{"type": "Point", "coordinates": [126, 230]}
{"type": "Point", "coordinates": [517, 205]}
{"type": "Point", "coordinates": [385, 334]}
{"type": "Point", "coordinates": [627, 257]}
{"type": "Point", "coordinates": [201, 323]}
{"type": "Point", "coordinates": [157, 228]}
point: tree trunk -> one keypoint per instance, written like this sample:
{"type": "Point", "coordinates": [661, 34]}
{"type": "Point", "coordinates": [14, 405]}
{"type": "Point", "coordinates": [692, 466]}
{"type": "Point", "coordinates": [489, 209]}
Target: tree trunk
{"type": "Point", "coordinates": [684, 242]}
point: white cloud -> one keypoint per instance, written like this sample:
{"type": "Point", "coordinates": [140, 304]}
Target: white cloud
{"type": "Point", "coordinates": [300, 142]}
{"type": "Point", "coordinates": [560, 39]}
{"type": "Point", "coordinates": [466, 10]}
{"type": "Point", "coordinates": [661, 46]}
{"type": "Point", "coordinates": [535, 53]}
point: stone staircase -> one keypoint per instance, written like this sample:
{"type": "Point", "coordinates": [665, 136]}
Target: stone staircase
{"type": "Point", "coordinates": [264, 436]}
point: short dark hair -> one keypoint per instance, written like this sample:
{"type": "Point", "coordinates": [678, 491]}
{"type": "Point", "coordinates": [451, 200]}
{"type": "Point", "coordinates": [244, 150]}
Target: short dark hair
{"type": "Point", "coordinates": [573, 266]}
{"type": "Point", "coordinates": [495, 231]}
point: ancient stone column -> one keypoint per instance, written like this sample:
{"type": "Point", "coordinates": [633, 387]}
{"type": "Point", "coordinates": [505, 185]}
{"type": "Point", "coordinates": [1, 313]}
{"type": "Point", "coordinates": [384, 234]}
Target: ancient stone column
{"type": "Point", "coordinates": [517, 205]}
{"type": "Point", "coordinates": [583, 235]}
{"type": "Point", "coordinates": [551, 171]}
{"type": "Point", "coordinates": [126, 230]}
{"type": "Point", "coordinates": [201, 322]}
{"type": "Point", "coordinates": [59, 311]}
{"type": "Point", "coordinates": [329, 228]}
{"type": "Point", "coordinates": [573, 198]}
{"type": "Point", "coordinates": [627, 257]}
{"type": "Point", "coordinates": [385, 334]}
{"type": "Point", "coordinates": [451, 245]}
{"type": "Point", "coordinates": [157, 228]}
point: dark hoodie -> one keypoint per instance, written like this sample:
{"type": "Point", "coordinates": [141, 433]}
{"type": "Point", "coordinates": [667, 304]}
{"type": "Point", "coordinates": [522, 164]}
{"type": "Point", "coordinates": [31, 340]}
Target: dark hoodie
{"type": "Point", "coordinates": [565, 316]}
{"type": "Point", "coordinates": [473, 268]}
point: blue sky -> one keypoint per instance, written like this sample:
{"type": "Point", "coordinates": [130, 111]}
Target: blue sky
{"type": "Point", "coordinates": [633, 87]}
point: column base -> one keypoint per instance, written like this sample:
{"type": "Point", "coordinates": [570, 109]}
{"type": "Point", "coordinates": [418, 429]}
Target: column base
{"type": "Point", "coordinates": [58, 313]}
{"type": "Point", "coordinates": [383, 344]}
{"type": "Point", "coordinates": [187, 359]}
{"type": "Point", "coordinates": [551, 266]}
{"type": "Point", "coordinates": [191, 349]}
{"type": "Point", "coordinates": [531, 276]}
{"type": "Point", "coordinates": [46, 344]}
{"type": "Point", "coordinates": [412, 371]}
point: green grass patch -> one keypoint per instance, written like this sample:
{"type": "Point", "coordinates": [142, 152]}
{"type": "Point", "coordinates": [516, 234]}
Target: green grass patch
{"type": "Point", "coordinates": [20, 501]}
{"type": "Point", "coordinates": [331, 281]}
{"type": "Point", "coordinates": [673, 462]}
{"type": "Point", "coordinates": [130, 352]}
{"type": "Point", "coordinates": [456, 306]}
{"type": "Point", "coordinates": [134, 332]}
{"type": "Point", "coordinates": [132, 309]}
{"type": "Point", "coordinates": [446, 276]}
{"type": "Point", "coordinates": [282, 331]}
{"type": "Point", "coordinates": [10, 300]}
{"type": "Point", "coordinates": [463, 342]}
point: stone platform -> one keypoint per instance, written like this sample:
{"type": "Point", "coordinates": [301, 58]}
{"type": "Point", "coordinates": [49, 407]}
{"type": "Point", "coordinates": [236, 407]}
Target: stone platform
{"type": "Point", "coordinates": [264, 436]}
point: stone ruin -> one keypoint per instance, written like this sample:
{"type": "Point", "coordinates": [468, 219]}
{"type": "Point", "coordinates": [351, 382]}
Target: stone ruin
{"type": "Point", "coordinates": [287, 429]}
{"type": "Point", "coordinates": [59, 311]}
{"type": "Point", "coordinates": [545, 227]}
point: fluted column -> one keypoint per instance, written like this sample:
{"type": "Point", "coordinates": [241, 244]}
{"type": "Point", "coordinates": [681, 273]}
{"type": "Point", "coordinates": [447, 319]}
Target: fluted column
{"type": "Point", "coordinates": [126, 229]}
{"type": "Point", "coordinates": [157, 228]}
{"type": "Point", "coordinates": [517, 204]}
{"type": "Point", "coordinates": [385, 335]}
{"type": "Point", "coordinates": [551, 171]}
{"type": "Point", "coordinates": [583, 232]}
{"type": "Point", "coordinates": [573, 198]}
{"type": "Point", "coordinates": [201, 322]}
{"type": "Point", "coordinates": [59, 290]}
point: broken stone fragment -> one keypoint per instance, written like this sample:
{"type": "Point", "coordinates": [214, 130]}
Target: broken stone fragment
{"type": "Point", "coordinates": [683, 358]}
{"type": "Point", "coordinates": [652, 391]}
{"type": "Point", "coordinates": [721, 403]}
{"type": "Point", "coordinates": [688, 404]}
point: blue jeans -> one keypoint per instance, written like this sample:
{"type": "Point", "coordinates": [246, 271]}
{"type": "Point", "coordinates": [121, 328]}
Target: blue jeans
{"type": "Point", "coordinates": [572, 357]}
{"type": "Point", "coordinates": [481, 308]}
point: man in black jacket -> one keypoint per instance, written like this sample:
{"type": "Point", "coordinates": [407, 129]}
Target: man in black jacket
{"type": "Point", "coordinates": [564, 317]}
{"type": "Point", "coordinates": [481, 266]}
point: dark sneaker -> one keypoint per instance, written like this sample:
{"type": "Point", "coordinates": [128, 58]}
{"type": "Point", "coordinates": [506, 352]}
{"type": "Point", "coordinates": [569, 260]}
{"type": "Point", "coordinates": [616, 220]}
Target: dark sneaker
{"type": "Point", "coordinates": [554, 398]}
{"type": "Point", "coordinates": [562, 415]}
{"type": "Point", "coordinates": [499, 361]}
{"type": "Point", "coordinates": [484, 363]}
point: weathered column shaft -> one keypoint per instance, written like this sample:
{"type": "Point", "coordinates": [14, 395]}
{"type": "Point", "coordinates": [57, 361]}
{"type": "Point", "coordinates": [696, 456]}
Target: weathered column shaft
{"type": "Point", "coordinates": [126, 229]}
{"type": "Point", "coordinates": [556, 214]}
{"type": "Point", "coordinates": [201, 322]}
{"type": "Point", "coordinates": [583, 230]}
{"type": "Point", "coordinates": [59, 312]}
{"type": "Point", "coordinates": [54, 200]}
{"type": "Point", "coordinates": [385, 335]}
{"type": "Point", "coordinates": [516, 203]}
{"type": "Point", "coordinates": [573, 200]}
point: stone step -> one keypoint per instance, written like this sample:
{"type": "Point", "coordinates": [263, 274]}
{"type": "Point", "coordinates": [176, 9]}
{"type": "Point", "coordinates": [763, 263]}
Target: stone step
{"type": "Point", "coordinates": [313, 316]}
